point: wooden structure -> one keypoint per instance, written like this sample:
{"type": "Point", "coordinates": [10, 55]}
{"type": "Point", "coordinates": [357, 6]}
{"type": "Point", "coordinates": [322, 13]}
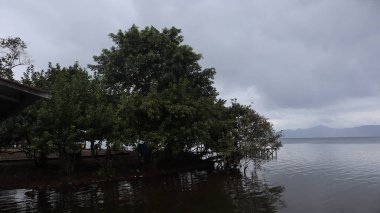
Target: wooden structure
{"type": "Point", "coordinates": [268, 153]}
{"type": "Point", "coordinates": [15, 96]}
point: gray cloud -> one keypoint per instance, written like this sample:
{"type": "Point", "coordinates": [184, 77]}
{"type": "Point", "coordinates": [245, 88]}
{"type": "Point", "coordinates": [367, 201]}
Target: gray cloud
{"type": "Point", "coordinates": [299, 62]}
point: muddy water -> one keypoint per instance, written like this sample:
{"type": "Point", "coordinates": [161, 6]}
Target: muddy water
{"type": "Point", "coordinates": [195, 191]}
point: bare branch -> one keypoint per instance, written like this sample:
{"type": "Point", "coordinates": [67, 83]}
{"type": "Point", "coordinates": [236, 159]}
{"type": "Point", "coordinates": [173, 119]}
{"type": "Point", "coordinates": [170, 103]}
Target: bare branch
{"type": "Point", "coordinates": [12, 54]}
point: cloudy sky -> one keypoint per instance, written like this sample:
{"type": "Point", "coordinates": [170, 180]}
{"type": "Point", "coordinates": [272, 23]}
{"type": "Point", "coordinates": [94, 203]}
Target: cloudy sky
{"type": "Point", "coordinates": [299, 63]}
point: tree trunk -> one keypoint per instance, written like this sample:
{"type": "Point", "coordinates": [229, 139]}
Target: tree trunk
{"type": "Point", "coordinates": [108, 158]}
{"type": "Point", "coordinates": [92, 149]}
{"type": "Point", "coordinates": [68, 162]}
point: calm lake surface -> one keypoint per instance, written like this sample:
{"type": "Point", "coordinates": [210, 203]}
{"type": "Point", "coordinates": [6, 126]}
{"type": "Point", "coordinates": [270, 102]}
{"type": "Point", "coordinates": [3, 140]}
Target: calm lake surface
{"type": "Point", "coordinates": [309, 175]}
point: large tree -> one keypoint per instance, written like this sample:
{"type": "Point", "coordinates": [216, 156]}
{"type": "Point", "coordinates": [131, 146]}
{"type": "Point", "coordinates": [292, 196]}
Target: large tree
{"type": "Point", "coordinates": [148, 87]}
{"type": "Point", "coordinates": [76, 112]}
{"type": "Point", "coordinates": [12, 54]}
{"type": "Point", "coordinates": [164, 90]}
{"type": "Point", "coordinates": [166, 99]}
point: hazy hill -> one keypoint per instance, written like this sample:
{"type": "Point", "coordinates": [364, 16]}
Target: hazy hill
{"type": "Point", "coordinates": [324, 131]}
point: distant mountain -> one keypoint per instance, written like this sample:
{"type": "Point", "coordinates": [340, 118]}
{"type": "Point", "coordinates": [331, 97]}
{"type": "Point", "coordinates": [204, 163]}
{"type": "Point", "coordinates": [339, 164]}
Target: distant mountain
{"type": "Point", "coordinates": [324, 131]}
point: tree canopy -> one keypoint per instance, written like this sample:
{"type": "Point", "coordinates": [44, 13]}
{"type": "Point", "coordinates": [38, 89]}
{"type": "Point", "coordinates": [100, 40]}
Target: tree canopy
{"type": "Point", "coordinates": [142, 59]}
{"type": "Point", "coordinates": [148, 87]}
{"type": "Point", "coordinates": [168, 100]}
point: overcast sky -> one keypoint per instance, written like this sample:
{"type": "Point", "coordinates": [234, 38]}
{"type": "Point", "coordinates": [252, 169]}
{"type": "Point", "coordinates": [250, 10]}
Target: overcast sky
{"type": "Point", "coordinates": [299, 63]}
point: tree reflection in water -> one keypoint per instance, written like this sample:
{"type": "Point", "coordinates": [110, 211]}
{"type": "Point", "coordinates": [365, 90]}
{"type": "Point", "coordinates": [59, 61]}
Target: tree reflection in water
{"type": "Point", "coordinates": [196, 191]}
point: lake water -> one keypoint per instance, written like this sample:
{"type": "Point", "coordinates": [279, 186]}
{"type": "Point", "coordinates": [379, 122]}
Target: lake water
{"type": "Point", "coordinates": [328, 175]}
{"type": "Point", "coordinates": [309, 175]}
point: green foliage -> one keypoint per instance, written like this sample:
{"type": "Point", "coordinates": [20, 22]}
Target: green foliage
{"type": "Point", "coordinates": [166, 98]}
{"type": "Point", "coordinates": [148, 87]}
{"type": "Point", "coordinates": [76, 112]}
{"type": "Point", "coordinates": [150, 58]}
{"type": "Point", "coordinates": [251, 132]}
{"type": "Point", "coordinates": [61, 118]}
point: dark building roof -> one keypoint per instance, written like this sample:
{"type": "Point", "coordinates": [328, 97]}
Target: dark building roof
{"type": "Point", "coordinates": [15, 96]}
